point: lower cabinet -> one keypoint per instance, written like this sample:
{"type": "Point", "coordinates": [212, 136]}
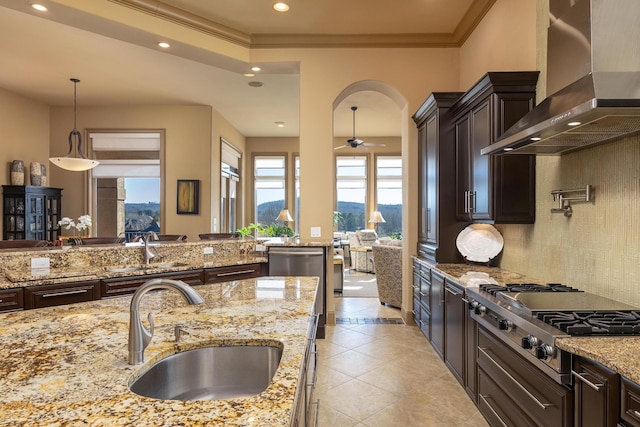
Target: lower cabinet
{"type": "Point", "coordinates": [60, 294]}
{"type": "Point", "coordinates": [513, 392]}
{"type": "Point", "coordinates": [306, 409]}
{"type": "Point", "coordinates": [630, 403]}
{"type": "Point", "coordinates": [437, 312]}
{"type": "Point", "coordinates": [596, 391]}
{"type": "Point", "coordinates": [471, 356]}
{"type": "Point", "coordinates": [11, 299]}
{"type": "Point", "coordinates": [119, 286]}
{"type": "Point", "coordinates": [454, 330]}
{"type": "Point", "coordinates": [421, 292]}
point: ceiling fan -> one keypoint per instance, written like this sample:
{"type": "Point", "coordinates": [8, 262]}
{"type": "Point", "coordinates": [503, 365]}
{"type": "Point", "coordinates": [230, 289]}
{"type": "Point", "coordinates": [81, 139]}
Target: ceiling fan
{"type": "Point", "coordinates": [355, 142]}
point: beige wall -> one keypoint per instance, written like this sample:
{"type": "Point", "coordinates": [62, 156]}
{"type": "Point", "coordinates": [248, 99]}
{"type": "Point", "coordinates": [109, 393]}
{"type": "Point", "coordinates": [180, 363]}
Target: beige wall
{"type": "Point", "coordinates": [186, 155]}
{"type": "Point", "coordinates": [24, 133]}
{"type": "Point", "coordinates": [505, 40]}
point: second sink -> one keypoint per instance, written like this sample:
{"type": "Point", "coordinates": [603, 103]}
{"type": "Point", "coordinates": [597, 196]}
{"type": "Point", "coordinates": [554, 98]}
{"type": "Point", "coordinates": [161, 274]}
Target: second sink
{"type": "Point", "coordinates": [211, 373]}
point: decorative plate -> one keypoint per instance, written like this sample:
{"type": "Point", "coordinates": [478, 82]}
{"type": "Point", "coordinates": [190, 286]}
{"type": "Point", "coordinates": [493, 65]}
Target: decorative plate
{"type": "Point", "coordinates": [479, 242]}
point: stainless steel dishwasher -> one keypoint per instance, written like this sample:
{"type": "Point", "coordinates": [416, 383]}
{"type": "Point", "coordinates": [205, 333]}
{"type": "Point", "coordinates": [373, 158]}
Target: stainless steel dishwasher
{"type": "Point", "coordinates": [302, 261]}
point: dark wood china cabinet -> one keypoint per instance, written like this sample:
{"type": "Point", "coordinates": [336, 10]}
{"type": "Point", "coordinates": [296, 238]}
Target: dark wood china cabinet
{"type": "Point", "coordinates": [31, 212]}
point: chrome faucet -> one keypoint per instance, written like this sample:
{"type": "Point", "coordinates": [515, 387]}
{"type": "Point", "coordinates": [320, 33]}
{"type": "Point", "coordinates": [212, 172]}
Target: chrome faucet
{"type": "Point", "coordinates": [147, 250]}
{"type": "Point", "coordinates": [139, 336]}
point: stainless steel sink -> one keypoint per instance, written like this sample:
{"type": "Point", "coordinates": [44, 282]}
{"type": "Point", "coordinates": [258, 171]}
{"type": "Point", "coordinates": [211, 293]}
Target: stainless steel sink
{"type": "Point", "coordinates": [211, 373]}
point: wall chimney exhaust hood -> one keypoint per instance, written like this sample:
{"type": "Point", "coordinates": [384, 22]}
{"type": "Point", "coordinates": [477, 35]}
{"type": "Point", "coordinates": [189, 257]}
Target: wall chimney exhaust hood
{"type": "Point", "coordinates": [593, 71]}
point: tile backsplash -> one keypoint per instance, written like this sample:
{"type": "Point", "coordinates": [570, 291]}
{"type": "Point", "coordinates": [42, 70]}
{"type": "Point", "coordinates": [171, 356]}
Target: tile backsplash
{"type": "Point", "coordinates": [597, 249]}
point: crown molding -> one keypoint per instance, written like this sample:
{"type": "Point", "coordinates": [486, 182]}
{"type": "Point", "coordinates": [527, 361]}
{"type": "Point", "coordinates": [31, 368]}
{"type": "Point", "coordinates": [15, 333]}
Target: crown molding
{"type": "Point", "coordinates": [477, 10]}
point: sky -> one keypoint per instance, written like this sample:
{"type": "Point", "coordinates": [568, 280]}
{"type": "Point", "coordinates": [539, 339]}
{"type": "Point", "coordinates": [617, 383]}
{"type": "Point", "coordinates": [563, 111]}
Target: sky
{"type": "Point", "coordinates": [142, 190]}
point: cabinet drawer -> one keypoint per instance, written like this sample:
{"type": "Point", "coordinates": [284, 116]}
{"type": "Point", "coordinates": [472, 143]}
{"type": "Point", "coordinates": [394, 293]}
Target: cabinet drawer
{"type": "Point", "coordinates": [543, 400]}
{"type": "Point", "coordinates": [425, 319]}
{"type": "Point", "coordinates": [119, 286]}
{"type": "Point", "coordinates": [236, 272]}
{"type": "Point", "coordinates": [52, 295]}
{"type": "Point", "coordinates": [11, 299]}
{"type": "Point", "coordinates": [630, 403]}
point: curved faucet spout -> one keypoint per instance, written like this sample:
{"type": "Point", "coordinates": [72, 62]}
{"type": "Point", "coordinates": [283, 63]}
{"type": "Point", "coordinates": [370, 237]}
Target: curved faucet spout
{"type": "Point", "coordinates": [139, 336]}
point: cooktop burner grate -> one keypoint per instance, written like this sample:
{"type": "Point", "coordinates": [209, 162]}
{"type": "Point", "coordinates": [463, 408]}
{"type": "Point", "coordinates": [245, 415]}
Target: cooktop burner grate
{"type": "Point", "coordinates": [526, 287]}
{"type": "Point", "coordinates": [594, 322]}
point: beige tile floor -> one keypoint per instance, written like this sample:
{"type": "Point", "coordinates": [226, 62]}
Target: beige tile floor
{"type": "Point", "coordinates": [385, 375]}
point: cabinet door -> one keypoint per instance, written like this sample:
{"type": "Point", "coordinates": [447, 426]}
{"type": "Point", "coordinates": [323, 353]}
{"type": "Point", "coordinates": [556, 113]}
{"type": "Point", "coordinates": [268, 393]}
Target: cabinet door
{"type": "Point", "coordinates": [454, 331]}
{"type": "Point", "coordinates": [463, 129]}
{"type": "Point", "coordinates": [432, 179]}
{"type": "Point", "coordinates": [422, 183]}
{"type": "Point", "coordinates": [11, 299]}
{"type": "Point", "coordinates": [471, 355]}
{"type": "Point", "coordinates": [480, 198]}
{"type": "Point", "coordinates": [630, 405]}
{"type": "Point", "coordinates": [596, 394]}
{"type": "Point", "coordinates": [437, 312]}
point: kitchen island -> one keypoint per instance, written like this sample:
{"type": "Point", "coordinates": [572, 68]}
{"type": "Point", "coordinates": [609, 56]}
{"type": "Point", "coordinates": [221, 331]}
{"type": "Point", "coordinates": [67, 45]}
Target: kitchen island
{"type": "Point", "coordinates": [67, 365]}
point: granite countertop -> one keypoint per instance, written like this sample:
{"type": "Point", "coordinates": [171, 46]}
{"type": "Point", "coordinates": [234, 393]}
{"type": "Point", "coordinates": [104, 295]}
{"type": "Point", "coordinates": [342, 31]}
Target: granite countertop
{"type": "Point", "coordinates": [615, 352]}
{"type": "Point", "coordinates": [67, 365]}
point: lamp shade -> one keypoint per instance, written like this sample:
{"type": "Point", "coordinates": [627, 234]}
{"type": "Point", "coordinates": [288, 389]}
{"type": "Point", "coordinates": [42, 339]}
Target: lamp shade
{"type": "Point", "coordinates": [284, 216]}
{"type": "Point", "coordinates": [376, 217]}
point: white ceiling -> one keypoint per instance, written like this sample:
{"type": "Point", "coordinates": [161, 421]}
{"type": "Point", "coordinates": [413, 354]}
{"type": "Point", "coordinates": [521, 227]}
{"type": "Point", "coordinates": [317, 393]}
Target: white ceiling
{"type": "Point", "coordinates": [121, 65]}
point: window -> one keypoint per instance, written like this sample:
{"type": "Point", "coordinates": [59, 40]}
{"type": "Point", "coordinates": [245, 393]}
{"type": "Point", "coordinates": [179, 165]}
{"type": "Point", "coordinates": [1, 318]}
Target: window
{"type": "Point", "coordinates": [389, 194]}
{"type": "Point", "coordinates": [269, 188]}
{"type": "Point", "coordinates": [351, 189]}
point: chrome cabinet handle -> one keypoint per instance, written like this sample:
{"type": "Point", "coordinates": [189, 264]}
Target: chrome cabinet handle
{"type": "Point", "coordinates": [317, 403]}
{"type": "Point", "coordinates": [63, 293]}
{"type": "Point", "coordinates": [234, 273]}
{"type": "Point", "coordinates": [466, 202]}
{"type": "Point", "coordinates": [581, 377]}
{"type": "Point", "coordinates": [485, 397]}
{"type": "Point", "coordinates": [428, 220]}
{"type": "Point", "coordinates": [544, 406]}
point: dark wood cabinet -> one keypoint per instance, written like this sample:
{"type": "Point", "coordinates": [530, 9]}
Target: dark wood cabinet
{"type": "Point", "coordinates": [436, 178]}
{"type": "Point", "coordinates": [471, 355]}
{"type": "Point", "coordinates": [235, 272]}
{"type": "Point", "coordinates": [498, 189]}
{"type": "Point", "coordinates": [41, 296]}
{"type": "Point", "coordinates": [31, 212]}
{"type": "Point", "coordinates": [437, 312]}
{"type": "Point", "coordinates": [596, 394]}
{"type": "Point", "coordinates": [454, 329]}
{"type": "Point", "coordinates": [11, 299]}
{"type": "Point", "coordinates": [512, 392]}
{"type": "Point", "coordinates": [630, 402]}
{"type": "Point", "coordinates": [421, 293]}
{"type": "Point", "coordinates": [119, 286]}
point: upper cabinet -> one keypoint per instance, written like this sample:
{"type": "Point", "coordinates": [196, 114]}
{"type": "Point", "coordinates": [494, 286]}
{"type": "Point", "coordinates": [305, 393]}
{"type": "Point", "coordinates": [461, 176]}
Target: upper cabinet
{"type": "Point", "coordinates": [497, 189]}
{"type": "Point", "coordinates": [31, 212]}
{"type": "Point", "coordinates": [436, 154]}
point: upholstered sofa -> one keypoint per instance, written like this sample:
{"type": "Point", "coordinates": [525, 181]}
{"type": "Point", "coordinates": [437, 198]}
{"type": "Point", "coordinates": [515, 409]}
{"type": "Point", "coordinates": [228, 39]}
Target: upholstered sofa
{"type": "Point", "coordinates": [387, 257]}
{"type": "Point", "coordinates": [360, 243]}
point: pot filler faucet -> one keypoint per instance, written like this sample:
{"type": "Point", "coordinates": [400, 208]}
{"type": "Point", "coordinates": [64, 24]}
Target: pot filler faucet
{"type": "Point", "coordinates": [139, 336]}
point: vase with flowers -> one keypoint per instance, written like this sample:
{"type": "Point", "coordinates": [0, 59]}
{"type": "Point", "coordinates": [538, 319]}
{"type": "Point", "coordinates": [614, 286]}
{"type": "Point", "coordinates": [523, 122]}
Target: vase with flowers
{"type": "Point", "coordinates": [79, 228]}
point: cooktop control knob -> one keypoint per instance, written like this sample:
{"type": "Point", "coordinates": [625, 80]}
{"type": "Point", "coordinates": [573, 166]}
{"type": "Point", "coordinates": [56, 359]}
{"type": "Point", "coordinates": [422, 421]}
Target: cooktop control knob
{"type": "Point", "coordinates": [480, 309]}
{"type": "Point", "coordinates": [529, 342]}
{"type": "Point", "coordinates": [544, 351]}
{"type": "Point", "coordinates": [473, 304]}
{"type": "Point", "coordinates": [505, 324]}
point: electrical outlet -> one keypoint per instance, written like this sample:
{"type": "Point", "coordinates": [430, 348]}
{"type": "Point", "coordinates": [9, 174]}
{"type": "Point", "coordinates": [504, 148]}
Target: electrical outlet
{"type": "Point", "coordinates": [40, 262]}
{"type": "Point", "coordinates": [316, 231]}
{"type": "Point", "coordinates": [207, 250]}
{"type": "Point", "coordinates": [261, 248]}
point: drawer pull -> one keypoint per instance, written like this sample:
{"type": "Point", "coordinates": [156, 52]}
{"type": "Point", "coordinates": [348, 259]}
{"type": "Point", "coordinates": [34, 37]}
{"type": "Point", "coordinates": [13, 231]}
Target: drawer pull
{"type": "Point", "coordinates": [235, 273]}
{"type": "Point", "coordinates": [636, 413]}
{"type": "Point", "coordinates": [581, 377]}
{"type": "Point", "coordinates": [491, 409]}
{"type": "Point", "coordinates": [544, 406]}
{"type": "Point", "coordinates": [64, 293]}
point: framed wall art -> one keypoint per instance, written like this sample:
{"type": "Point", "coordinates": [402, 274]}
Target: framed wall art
{"type": "Point", "coordinates": [188, 202]}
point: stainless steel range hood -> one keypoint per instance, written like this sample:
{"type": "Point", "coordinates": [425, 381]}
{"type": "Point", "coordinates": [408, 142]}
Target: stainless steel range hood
{"type": "Point", "coordinates": [593, 71]}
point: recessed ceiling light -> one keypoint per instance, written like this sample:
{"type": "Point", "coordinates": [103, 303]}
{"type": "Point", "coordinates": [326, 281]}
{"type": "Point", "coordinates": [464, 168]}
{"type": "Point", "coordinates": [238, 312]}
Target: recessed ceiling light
{"type": "Point", "coordinates": [256, 68]}
{"type": "Point", "coordinates": [281, 6]}
{"type": "Point", "coordinates": [249, 75]}
{"type": "Point", "coordinates": [255, 84]}
{"type": "Point", "coordinates": [574, 123]}
{"type": "Point", "coordinates": [39, 7]}
{"type": "Point", "coordinates": [536, 138]}
{"type": "Point", "coordinates": [164, 45]}
{"type": "Point", "coordinates": [279, 124]}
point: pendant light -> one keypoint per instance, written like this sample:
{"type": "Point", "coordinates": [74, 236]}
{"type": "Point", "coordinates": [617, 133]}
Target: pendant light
{"type": "Point", "coordinates": [73, 162]}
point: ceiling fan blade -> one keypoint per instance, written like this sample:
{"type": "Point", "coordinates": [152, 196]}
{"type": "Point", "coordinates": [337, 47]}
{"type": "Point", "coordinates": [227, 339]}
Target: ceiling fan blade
{"type": "Point", "coordinates": [341, 147]}
{"type": "Point", "coordinates": [374, 144]}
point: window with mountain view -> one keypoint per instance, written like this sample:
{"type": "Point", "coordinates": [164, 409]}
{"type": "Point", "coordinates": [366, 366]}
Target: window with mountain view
{"type": "Point", "coordinates": [269, 187]}
{"type": "Point", "coordinates": [389, 194]}
{"type": "Point", "coordinates": [351, 187]}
